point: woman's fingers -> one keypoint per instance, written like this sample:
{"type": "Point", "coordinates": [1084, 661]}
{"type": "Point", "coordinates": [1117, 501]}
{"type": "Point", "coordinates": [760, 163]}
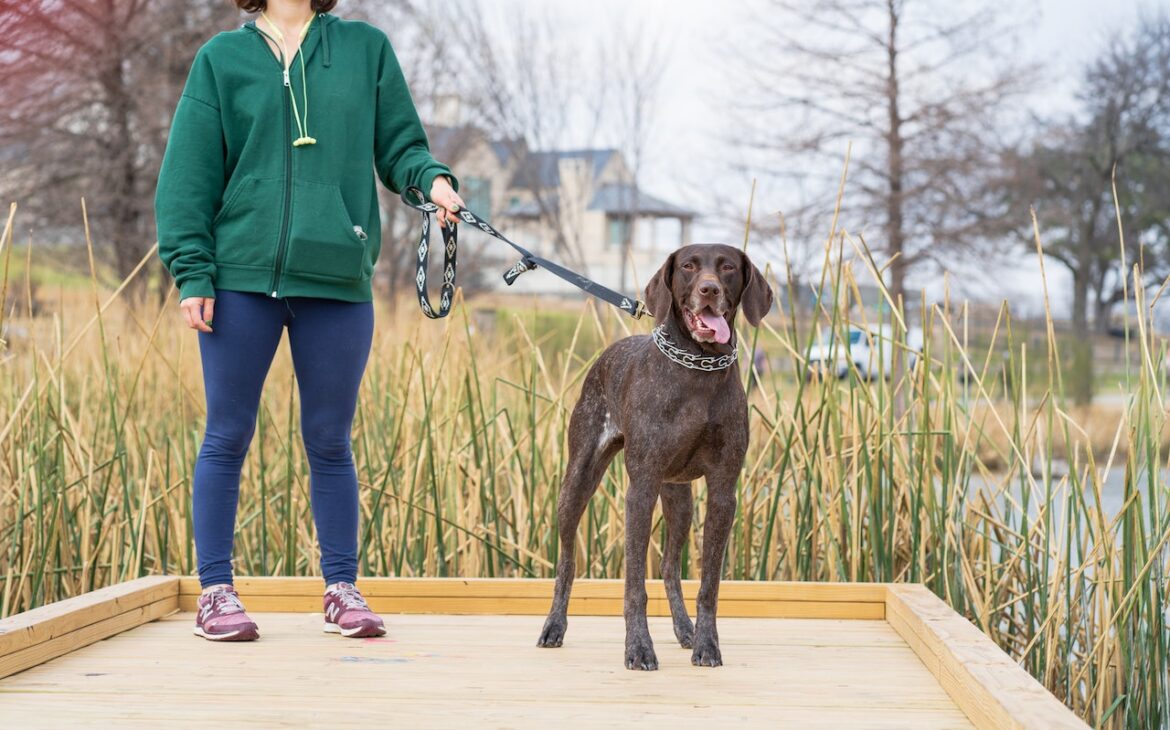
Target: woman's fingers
{"type": "Point", "coordinates": [188, 314]}
{"type": "Point", "coordinates": [193, 312]}
{"type": "Point", "coordinates": [449, 202]}
{"type": "Point", "coordinates": [448, 208]}
{"type": "Point", "coordinates": [208, 310]}
{"type": "Point", "coordinates": [457, 202]}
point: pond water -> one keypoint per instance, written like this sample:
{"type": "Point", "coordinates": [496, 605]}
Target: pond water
{"type": "Point", "coordinates": [1112, 489]}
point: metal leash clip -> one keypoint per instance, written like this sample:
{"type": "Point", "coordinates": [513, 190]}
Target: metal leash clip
{"type": "Point", "coordinates": [524, 264]}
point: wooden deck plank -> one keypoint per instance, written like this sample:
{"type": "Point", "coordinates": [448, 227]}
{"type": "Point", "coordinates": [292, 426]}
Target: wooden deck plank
{"type": "Point", "coordinates": [36, 654]}
{"type": "Point", "coordinates": [577, 606]}
{"type": "Point", "coordinates": [54, 619]}
{"type": "Point", "coordinates": [991, 688]}
{"type": "Point", "coordinates": [486, 671]}
{"type": "Point", "coordinates": [733, 590]}
{"type": "Point", "coordinates": [532, 597]}
{"type": "Point", "coordinates": [35, 636]}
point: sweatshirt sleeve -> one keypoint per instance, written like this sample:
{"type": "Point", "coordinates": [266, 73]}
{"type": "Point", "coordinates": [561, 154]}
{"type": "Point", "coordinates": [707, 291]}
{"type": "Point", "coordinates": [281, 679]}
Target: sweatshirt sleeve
{"type": "Point", "coordinates": [402, 155]}
{"type": "Point", "coordinates": [191, 184]}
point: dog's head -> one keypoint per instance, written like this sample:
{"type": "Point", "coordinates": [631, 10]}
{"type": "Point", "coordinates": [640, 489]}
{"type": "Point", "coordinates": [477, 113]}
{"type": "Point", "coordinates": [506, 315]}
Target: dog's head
{"type": "Point", "coordinates": [703, 285]}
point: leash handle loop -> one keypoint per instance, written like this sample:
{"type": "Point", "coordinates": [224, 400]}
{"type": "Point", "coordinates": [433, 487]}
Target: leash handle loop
{"type": "Point", "coordinates": [450, 251]}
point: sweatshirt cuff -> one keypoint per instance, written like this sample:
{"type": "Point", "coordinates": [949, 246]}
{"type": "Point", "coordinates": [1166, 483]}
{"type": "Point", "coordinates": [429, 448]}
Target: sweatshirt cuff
{"type": "Point", "coordinates": [428, 179]}
{"type": "Point", "coordinates": [197, 286]}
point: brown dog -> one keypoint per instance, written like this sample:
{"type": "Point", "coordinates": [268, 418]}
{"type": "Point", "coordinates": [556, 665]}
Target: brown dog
{"type": "Point", "coordinates": [677, 406]}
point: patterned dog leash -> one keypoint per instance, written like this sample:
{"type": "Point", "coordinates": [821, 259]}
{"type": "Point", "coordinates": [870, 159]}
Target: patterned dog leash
{"type": "Point", "coordinates": [413, 197]}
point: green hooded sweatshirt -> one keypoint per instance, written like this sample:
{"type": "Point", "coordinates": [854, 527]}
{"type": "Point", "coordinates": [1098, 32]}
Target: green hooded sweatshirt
{"type": "Point", "coordinates": [239, 207]}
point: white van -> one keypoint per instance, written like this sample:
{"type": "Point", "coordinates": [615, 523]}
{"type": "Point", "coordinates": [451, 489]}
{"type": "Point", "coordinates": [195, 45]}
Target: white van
{"type": "Point", "coordinates": [872, 351]}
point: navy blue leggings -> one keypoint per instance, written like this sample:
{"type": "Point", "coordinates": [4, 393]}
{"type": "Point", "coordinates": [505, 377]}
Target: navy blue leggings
{"type": "Point", "coordinates": [330, 344]}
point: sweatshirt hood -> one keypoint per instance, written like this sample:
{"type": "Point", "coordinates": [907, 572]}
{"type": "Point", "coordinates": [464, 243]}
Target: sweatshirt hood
{"type": "Point", "coordinates": [308, 44]}
{"type": "Point", "coordinates": [324, 20]}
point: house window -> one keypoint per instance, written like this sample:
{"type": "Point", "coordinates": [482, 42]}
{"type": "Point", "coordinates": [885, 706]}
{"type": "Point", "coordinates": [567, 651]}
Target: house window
{"type": "Point", "coordinates": [619, 228]}
{"type": "Point", "coordinates": [477, 193]}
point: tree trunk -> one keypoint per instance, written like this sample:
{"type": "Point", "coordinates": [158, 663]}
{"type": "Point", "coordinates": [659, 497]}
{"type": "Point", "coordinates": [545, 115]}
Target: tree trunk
{"type": "Point", "coordinates": [895, 226]}
{"type": "Point", "coordinates": [1102, 309]}
{"type": "Point", "coordinates": [123, 182]}
{"type": "Point", "coordinates": [1080, 380]}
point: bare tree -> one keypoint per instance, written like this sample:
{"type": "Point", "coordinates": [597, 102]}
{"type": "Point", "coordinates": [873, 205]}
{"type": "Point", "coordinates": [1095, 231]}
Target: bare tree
{"type": "Point", "coordinates": [636, 83]}
{"type": "Point", "coordinates": [1067, 172]}
{"type": "Point", "coordinates": [528, 88]}
{"type": "Point", "coordinates": [89, 86]}
{"type": "Point", "coordinates": [425, 52]}
{"type": "Point", "coordinates": [915, 85]}
{"type": "Point", "coordinates": [531, 89]}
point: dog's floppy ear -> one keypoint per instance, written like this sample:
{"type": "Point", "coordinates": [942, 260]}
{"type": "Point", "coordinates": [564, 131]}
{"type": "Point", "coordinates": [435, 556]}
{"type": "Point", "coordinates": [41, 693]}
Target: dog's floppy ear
{"type": "Point", "coordinates": [658, 293]}
{"type": "Point", "coordinates": [756, 299]}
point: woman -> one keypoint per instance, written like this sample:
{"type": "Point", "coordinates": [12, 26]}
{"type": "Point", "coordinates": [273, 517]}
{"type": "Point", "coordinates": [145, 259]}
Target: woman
{"type": "Point", "coordinates": [267, 216]}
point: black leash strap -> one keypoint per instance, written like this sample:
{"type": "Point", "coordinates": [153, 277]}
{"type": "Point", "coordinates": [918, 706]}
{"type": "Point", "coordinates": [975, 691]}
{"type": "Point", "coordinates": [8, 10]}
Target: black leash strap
{"type": "Point", "coordinates": [528, 261]}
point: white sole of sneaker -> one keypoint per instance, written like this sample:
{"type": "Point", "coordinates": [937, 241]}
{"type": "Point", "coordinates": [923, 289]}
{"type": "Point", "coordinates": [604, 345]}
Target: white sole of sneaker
{"type": "Point", "coordinates": [218, 637]}
{"type": "Point", "coordinates": [331, 628]}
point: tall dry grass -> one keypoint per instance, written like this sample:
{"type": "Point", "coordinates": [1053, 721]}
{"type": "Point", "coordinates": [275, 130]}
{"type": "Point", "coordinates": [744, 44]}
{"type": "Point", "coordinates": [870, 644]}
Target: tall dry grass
{"type": "Point", "coordinates": [460, 445]}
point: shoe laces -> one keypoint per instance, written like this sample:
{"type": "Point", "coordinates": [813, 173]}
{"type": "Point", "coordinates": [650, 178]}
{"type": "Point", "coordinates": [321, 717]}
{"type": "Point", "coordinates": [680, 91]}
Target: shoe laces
{"type": "Point", "coordinates": [224, 602]}
{"type": "Point", "coordinates": [349, 596]}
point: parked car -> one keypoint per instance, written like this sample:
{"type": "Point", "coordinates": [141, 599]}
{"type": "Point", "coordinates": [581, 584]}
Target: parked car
{"type": "Point", "coordinates": [872, 351]}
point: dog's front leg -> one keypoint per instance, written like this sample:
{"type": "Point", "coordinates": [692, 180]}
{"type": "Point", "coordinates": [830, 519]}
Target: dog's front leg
{"type": "Point", "coordinates": [640, 500]}
{"type": "Point", "coordinates": [677, 509]}
{"type": "Point", "coordinates": [716, 529]}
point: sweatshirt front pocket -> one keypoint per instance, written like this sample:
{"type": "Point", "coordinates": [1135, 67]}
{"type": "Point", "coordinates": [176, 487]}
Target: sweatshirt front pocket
{"type": "Point", "coordinates": [247, 226]}
{"type": "Point", "coordinates": [323, 240]}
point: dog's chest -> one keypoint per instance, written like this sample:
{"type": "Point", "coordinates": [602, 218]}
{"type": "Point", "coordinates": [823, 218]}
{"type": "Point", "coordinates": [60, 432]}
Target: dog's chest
{"type": "Point", "coordinates": [691, 455]}
{"type": "Point", "coordinates": [686, 439]}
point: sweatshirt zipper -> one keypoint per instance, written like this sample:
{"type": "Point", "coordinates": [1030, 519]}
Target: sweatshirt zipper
{"type": "Point", "coordinates": [287, 189]}
{"type": "Point", "coordinates": [287, 159]}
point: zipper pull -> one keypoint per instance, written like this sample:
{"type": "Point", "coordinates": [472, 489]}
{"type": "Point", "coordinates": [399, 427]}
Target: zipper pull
{"type": "Point", "coordinates": [360, 233]}
{"type": "Point", "coordinates": [286, 77]}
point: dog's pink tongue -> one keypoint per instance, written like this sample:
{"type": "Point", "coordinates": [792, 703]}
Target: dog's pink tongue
{"type": "Point", "coordinates": [717, 323]}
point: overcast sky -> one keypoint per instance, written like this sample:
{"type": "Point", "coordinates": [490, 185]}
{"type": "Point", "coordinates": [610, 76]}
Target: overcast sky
{"type": "Point", "coordinates": [1064, 34]}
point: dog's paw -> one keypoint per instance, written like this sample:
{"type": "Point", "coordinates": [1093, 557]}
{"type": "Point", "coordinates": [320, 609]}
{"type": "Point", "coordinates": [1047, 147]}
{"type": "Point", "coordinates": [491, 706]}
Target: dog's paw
{"type": "Point", "coordinates": [685, 633]}
{"type": "Point", "coordinates": [706, 653]}
{"type": "Point", "coordinates": [641, 656]}
{"type": "Point", "coordinates": [553, 633]}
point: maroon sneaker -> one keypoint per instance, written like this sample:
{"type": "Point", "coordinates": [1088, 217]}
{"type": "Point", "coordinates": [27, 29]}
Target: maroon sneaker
{"type": "Point", "coordinates": [220, 616]}
{"type": "Point", "coordinates": [346, 613]}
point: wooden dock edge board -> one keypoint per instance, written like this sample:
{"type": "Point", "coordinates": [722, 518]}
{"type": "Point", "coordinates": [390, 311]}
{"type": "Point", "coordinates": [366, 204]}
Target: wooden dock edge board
{"type": "Point", "coordinates": [36, 636]}
{"type": "Point", "coordinates": [591, 597]}
{"type": "Point", "coordinates": [987, 684]}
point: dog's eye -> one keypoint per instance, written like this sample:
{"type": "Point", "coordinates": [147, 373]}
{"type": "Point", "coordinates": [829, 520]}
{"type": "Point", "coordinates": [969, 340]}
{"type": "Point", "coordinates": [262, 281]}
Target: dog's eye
{"type": "Point", "coordinates": [729, 267]}
{"type": "Point", "coordinates": [688, 266]}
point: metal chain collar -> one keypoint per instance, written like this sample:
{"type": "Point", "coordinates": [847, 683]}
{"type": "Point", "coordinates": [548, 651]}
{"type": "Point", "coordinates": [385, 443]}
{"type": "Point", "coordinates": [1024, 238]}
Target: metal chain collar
{"type": "Point", "coordinates": [709, 363]}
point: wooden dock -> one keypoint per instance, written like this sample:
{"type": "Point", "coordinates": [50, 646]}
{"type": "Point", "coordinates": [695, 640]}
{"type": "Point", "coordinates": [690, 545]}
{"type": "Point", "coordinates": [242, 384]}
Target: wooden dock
{"type": "Point", "coordinates": [463, 652]}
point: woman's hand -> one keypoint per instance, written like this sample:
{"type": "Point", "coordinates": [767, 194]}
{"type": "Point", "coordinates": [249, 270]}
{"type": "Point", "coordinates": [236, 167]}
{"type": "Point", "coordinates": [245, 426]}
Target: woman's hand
{"type": "Point", "coordinates": [449, 202]}
{"type": "Point", "coordinates": [198, 312]}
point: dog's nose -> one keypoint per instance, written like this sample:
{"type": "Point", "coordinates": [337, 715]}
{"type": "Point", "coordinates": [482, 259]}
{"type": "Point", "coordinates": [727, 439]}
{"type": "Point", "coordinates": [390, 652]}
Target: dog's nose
{"type": "Point", "coordinates": [709, 288]}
